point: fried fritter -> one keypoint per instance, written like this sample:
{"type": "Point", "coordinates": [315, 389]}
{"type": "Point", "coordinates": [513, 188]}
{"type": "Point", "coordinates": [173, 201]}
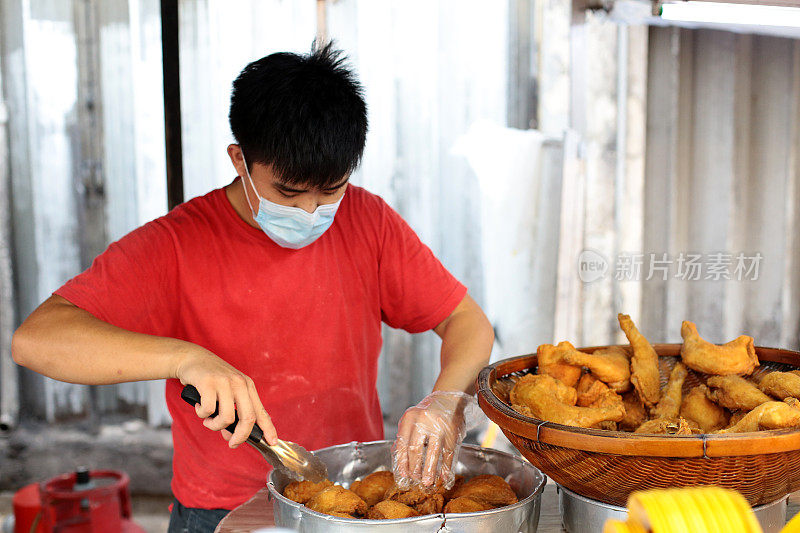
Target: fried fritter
{"type": "Point", "coordinates": [666, 426]}
{"type": "Point", "coordinates": [489, 489]}
{"type": "Point", "coordinates": [390, 510]}
{"type": "Point", "coordinates": [465, 504]}
{"type": "Point", "coordinates": [697, 408]}
{"type": "Point", "coordinates": [781, 385]}
{"type": "Point", "coordinates": [735, 357]}
{"type": "Point", "coordinates": [769, 415]}
{"type": "Point", "coordinates": [457, 482]}
{"type": "Point", "coordinates": [337, 499]}
{"type": "Point", "coordinates": [421, 501]}
{"type": "Point", "coordinates": [589, 390]}
{"type": "Point", "coordinates": [645, 376]}
{"type": "Point", "coordinates": [373, 487]}
{"type": "Point", "coordinates": [635, 413]}
{"type": "Point", "coordinates": [550, 360]}
{"type": "Point", "coordinates": [543, 397]}
{"type": "Point", "coordinates": [610, 365]}
{"type": "Point", "coordinates": [670, 403]}
{"type": "Point", "coordinates": [302, 491]}
{"type": "Point", "coordinates": [735, 392]}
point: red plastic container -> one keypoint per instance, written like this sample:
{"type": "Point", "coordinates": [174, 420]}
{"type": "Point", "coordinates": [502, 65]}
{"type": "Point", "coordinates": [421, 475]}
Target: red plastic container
{"type": "Point", "coordinates": [104, 508]}
{"type": "Point", "coordinates": [27, 510]}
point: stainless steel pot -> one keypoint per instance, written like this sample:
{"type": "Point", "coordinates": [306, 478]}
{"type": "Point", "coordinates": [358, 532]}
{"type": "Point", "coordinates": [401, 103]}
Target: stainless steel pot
{"type": "Point", "coordinates": [348, 462]}
{"type": "Point", "coordinates": [583, 515]}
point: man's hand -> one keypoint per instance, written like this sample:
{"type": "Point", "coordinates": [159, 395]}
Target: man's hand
{"type": "Point", "coordinates": [428, 437]}
{"type": "Point", "coordinates": [223, 387]}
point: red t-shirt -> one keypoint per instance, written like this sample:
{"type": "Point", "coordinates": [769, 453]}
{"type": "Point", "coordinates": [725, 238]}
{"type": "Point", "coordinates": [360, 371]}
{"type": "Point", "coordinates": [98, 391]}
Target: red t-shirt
{"type": "Point", "coordinates": [304, 324]}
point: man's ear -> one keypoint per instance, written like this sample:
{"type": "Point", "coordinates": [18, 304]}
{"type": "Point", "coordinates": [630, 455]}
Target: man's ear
{"type": "Point", "coordinates": [237, 158]}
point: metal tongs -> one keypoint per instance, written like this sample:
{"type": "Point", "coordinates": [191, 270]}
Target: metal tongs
{"type": "Point", "coordinates": [288, 457]}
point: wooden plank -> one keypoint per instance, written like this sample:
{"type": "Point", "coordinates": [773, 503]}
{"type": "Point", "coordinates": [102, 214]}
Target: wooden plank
{"type": "Point", "coordinates": [736, 293]}
{"type": "Point", "coordinates": [662, 109]}
{"type": "Point", "coordinates": [554, 60]}
{"type": "Point", "coordinates": [790, 335]}
{"type": "Point", "coordinates": [630, 182]}
{"type": "Point", "coordinates": [712, 158]}
{"type": "Point", "coordinates": [769, 172]}
{"type": "Point", "coordinates": [9, 384]}
{"type": "Point", "coordinates": [602, 103]}
{"type": "Point", "coordinates": [567, 323]}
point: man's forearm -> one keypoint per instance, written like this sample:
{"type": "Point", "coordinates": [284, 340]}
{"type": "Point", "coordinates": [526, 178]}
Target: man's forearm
{"type": "Point", "coordinates": [69, 344]}
{"type": "Point", "coordinates": [467, 338]}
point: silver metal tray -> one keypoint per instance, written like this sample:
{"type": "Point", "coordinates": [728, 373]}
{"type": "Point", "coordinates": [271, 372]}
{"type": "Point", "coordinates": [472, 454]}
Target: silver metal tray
{"type": "Point", "coordinates": [583, 515]}
{"type": "Point", "coordinates": [348, 462]}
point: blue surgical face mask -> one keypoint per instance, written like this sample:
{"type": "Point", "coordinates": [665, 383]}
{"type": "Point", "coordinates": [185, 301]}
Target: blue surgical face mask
{"type": "Point", "coordinates": [290, 227]}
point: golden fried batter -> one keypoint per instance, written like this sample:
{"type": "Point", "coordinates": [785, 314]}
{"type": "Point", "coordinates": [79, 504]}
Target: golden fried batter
{"type": "Point", "coordinates": [337, 499]}
{"type": "Point", "coordinates": [781, 385]}
{"type": "Point", "coordinates": [390, 510]}
{"type": "Point", "coordinates": [635, 413]}
{"type": "Point", "coordinates": [302, 491]}
{"type": "Point", "coordinates": [735, 357]}
{"type": "Point", "coordinates": [645, 376]}
{"type": "Point", "coordinates": [373, 487]}
{"type": "Point", "coordinates": [610, 365]}
{"type": "Point", "coordinates": [465, 504]}
{"type": "Point", "coordinates": [457, 482]}
{"type": "Point", "coordinates": [489, 489]}
{"type": "Point", "coordinates": [670, 403]}
{"type": "Point", "coordinates": [589, 390]}
{"type": "Point", "coordinates": [666, 426]}
{"type": "Point", "coordinates": [735, 392]}
{"type": "Point", "coordinates": [421, 501]}
{"type": "Point", "coordinates": [551, 362]}
{"type": "Point", "coordinates": [542, 396]}
{"type": "Point", "coordinates": [769, 415]}
{"type": "Point", "coordinates": [697, 408]}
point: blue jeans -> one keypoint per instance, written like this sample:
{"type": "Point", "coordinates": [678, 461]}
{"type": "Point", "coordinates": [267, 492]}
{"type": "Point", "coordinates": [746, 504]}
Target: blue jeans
{"type": "Point", "coordinates": [190, 520]}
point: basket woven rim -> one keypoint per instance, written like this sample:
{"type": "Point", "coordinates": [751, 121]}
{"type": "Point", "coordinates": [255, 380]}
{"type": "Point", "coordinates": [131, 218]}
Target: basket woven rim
{"type": "Point", "coordinates": [626, 443]}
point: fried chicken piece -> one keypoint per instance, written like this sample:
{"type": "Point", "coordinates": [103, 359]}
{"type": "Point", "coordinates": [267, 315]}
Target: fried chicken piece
{"type": "Point", "coordinates": [670, 403]}
{"type": "Point", "coordinates": [610, 365]}
{"type": "Point", "coordinates": [551, 362]}
{"type": "Point", "coordinates": [337, 499]}
{"type": "Point", "coordinates": [666, 426]}
{"type": "Point", "coordinates": [448, 494]}
{"type": "Point", "coordinates": [543, 397]}
{"type": "Point", "coordinates": [769, 415]}
{"type": "Point", "coordinates": [735, 392]}
{"type": "Point", "coordinates": [373, 487]}
{"type": "Point", "coordinates": [697, 408]}
{"type": "Point", "coordinates": [421, 501]}
{"type": "Point", "coordinates": [589, 390]}
{"type": "Point", "coordinates": [302, 491]}
{"type": "Point", "coordinates": [635, 413]}
{"type": "Point", "coordinates": [390, 510]}
{"type": "Point", "coordinates": [645, 376]}
{"type": "Point", "coordinates": [781, 385]}
{"type": "Point", "coordinates": [735, 357]}
{"type": "Point", "coordinates": [489, 489]}
{"type": "Point", "coordinates": [465, 504]}
{"type": "Point", "coordinates": [736, 417]}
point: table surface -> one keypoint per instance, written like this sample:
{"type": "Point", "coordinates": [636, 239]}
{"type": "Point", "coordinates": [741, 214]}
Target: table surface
{"type": "Point", "coordinates": [257, 512]}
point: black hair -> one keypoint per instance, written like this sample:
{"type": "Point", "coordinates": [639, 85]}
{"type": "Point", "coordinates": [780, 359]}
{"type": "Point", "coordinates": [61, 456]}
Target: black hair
{"type": "Point", "coordinates": [304, 115]}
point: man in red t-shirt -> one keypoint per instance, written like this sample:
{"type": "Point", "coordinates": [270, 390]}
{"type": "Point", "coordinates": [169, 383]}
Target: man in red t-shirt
{"type": "Point", "coordinates": [267, 295]}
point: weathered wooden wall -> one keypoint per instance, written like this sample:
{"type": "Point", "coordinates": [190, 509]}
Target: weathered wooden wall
{"type": "Point", "coordinates": [647, 141]}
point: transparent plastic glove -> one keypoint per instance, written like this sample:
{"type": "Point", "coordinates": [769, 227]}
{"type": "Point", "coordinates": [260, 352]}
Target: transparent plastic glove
{"type": "Point", "coordinates": [428, 438]}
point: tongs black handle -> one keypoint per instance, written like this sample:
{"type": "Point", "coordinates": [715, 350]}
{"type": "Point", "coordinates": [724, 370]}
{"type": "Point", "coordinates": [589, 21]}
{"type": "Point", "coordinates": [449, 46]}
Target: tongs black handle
{"type": "Point", "coordinates": [191, 395]}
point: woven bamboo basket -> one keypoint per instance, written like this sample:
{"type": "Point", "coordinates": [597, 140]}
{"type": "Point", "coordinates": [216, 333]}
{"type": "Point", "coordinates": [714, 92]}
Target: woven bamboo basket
{"type": "Point", "coordinates": [609, 465]}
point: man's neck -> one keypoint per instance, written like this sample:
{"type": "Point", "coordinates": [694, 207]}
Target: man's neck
{"type": "Point", "coordinates": [235, 194]}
